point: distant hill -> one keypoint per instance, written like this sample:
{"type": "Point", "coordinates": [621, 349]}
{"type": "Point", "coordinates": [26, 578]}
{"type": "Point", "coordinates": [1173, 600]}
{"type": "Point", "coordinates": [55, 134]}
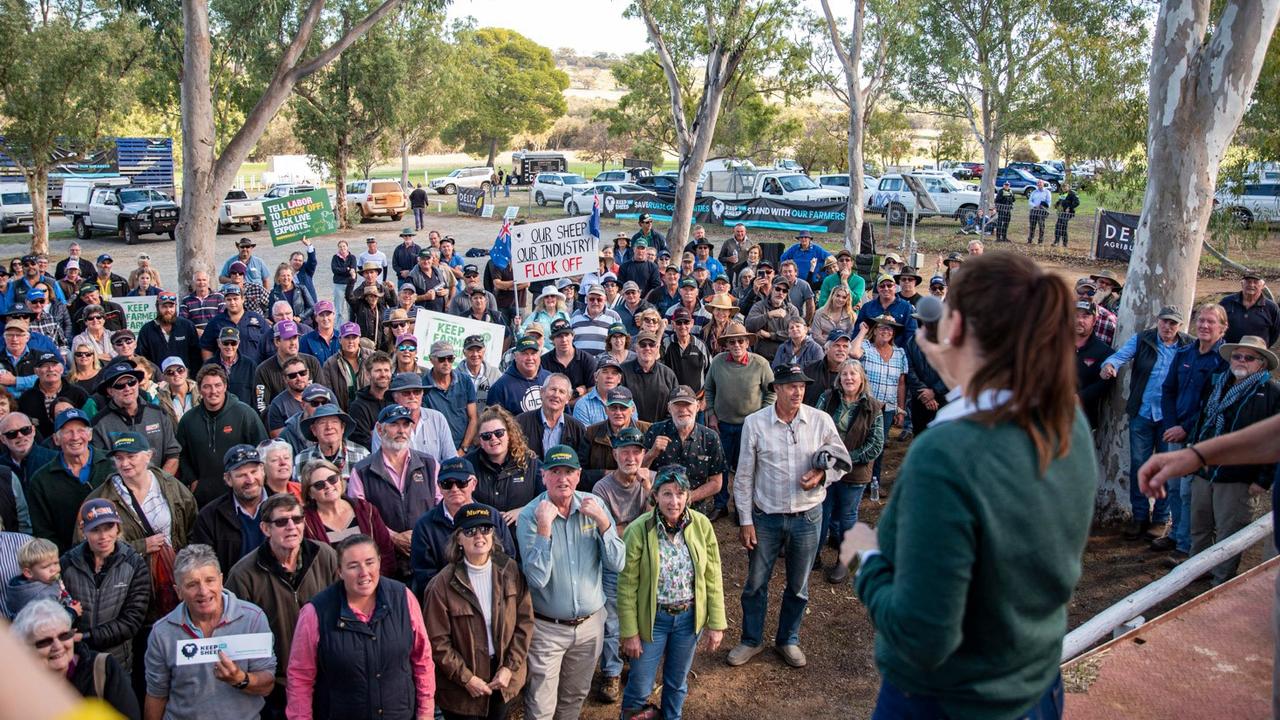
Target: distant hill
{"type": "Point", "coordinates": [588, 74]}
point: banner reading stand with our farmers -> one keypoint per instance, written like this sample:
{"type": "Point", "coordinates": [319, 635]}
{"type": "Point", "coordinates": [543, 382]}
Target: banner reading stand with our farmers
{"type": "Point", "coordinates": [289, 219]}
{"type": "Point", "coordinates": [430, 326]}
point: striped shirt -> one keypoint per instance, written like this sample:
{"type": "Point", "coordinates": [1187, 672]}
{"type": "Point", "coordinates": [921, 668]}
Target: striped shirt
{"type": "Point", "coordinates": [10, 542]}
{"type": "Point", "coordinates": [201, 310]}
{"type": "Point", "coordinates": [589, 334]}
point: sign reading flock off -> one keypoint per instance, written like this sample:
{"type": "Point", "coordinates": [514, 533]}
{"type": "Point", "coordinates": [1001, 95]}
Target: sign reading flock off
{"type": "Point", "coordinates": [553, 249]}
{"type": "Point", "coordinates": [289, 219]}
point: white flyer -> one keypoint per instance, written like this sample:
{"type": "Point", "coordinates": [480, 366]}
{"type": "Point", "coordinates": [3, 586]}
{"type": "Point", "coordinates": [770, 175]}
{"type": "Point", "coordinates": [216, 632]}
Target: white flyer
{"type": "Point", "coordinates": [198, 651]}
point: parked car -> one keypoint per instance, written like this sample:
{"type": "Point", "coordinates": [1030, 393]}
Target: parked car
{"type": "Point", "coordinates": [973, 170]}
{"type": "Point", "coordinates": [1039, 171]}
{"type": "Point", "coordinates": [1020, 181]}
{"type": "Point", "coordinates": [15, 206]}
{"type": "Point", "coordinates": [112, 205]}
{"type": "Point", "coordinates": [664, 184]}
{"type": "Point", "coordinates": [280, 190]}
{"type": "Point", "coordinates": [613, 176]}
{"type": "Point", "coordinates": [894, 197]}
{"type": "Point", "coordinates": [579, 201]}
{"type": "Point", "coordinates": [1253, 202]}
{"type": "Point", "coordinates": [789, 164]}
{"type": "Point", "coordinates": [472, 177]}
{"type": "Point", "coordinates": [240, 209]}
{"type": "Point", "coordinates": [840, 183]}
{"type": "Point", "coordinates": [373, 198]}
{"type": "Point", "coordinates": [555, 186]}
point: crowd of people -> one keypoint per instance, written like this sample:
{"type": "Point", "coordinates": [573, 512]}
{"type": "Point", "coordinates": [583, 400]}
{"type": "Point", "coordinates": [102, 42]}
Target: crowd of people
{"type": "Point", "coordinates": [418, 530]}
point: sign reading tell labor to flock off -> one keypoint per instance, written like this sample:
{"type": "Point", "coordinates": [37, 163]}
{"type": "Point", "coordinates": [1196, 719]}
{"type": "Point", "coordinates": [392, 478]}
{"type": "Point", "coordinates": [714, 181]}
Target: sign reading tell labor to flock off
{"type": "Point", "coordinates": [138, 311]}
{"type": "Point", "coordinates": [430, 326]}
{"type": "Point", "coordinates": [289, 219]}
{"type": "Point", "coordinates": [553, 249]}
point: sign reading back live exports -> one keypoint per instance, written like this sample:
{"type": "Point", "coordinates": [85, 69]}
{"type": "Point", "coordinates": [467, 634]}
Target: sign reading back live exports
{"type": "Point", "coordinates": [289, 219]}
{"type": "Point", "coordinates": [552, 249]}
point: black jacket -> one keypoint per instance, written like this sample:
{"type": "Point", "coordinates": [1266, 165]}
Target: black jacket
{"type": "Point", "coordinates": [507, 487]}
{"type": "Point", "coordinates": [574, 433]}
{"type": "Point", "coordinates": [1089, 383]}
{"type": "Point", "coordinates": [116, 688]}
{"type": "Point", "coordinates": [240, 377]}
{"type": "Point", "coordinates": [114, 601]}
{"type": "Point", "coordinates": [1144, 360]}
{"type": "Point", "coordinates": [921, 375]}
{"type": "Point", "coordinates": [183, 342]}
{"type": "Point", "coordinates": [364, 415]}
{"type": "Point", "coordinates": [205, 437]}
{"type": "Point", "coordinates": [428, 553]}
{"type": "Point", "coordinates": [1262, 404]}
{"type": "Point", "coordinates": [218, 526]}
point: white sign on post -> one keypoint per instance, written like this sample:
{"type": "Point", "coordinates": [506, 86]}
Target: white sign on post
{"type": "Point", "coordinates": [552, 249]}
{"type": "Point", "coordinates": [430, 326]}
{"type": "Point", "coordinates": [138, 311]}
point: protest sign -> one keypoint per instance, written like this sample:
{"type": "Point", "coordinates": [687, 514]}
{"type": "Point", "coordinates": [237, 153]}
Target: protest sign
{"type": "Point", "coordinates": [291, 218]}
{"type": "Point", "coordinates": [471, 201]}
{"type": "Point", "coordinates": [1113, 239]}
{"type": "Point", "coordinates": [430, 326]}
{"type": "Point", "coordinates": [202, 651]}
{"type": "Point", "coordinates": [553, 249]}
{"type": "Point", "coordinates": [138, 311]}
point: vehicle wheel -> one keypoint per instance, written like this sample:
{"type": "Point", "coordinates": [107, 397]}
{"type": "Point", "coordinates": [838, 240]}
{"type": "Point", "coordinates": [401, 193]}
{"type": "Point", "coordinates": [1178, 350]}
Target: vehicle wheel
{"type": "Point", "coordinates": [484, 187]}
{"type": "Point", "coordinates": [539, 198]}
{"type": "Point", "coordinates": [363, 217]}
{"type": "Point", "coordinates": [173, 235]}
{"type": "Point", "coordinates": [82, 230]}
{"type": "Point", "coordinates": [1055, 186]}
{"type": "Point", "coordinates": [1241, 217]}
{"type": "Point", "coordinates": [450, 189]}
{"type": "Point", "coordinates": [573, 208]}
{"type": "Point", "coordinates": [395, 217]}
{"type": "Point", "coordinates": [223, 229]}
{"type": "Point", "coordinates": [897, 214]}
{"type": "Point", "coordinates": [255, 226]}
{"type": "Point", "coordinates": [130, 234]}
{"type": "Point", "coordinates": [1026, 192]}
{"type": "Point", "coordinates": [967, 214]}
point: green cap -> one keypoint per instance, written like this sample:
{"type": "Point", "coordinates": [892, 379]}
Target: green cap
{"type": "Point", "coordinates": [407, 232]}
{"type": "Point", "coordinates": [561, 456]}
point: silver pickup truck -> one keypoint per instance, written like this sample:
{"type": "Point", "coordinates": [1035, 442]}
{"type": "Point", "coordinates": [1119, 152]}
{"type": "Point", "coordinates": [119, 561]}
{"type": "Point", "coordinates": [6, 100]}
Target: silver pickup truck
{"type": "Point", "coordinates": [117, 208]}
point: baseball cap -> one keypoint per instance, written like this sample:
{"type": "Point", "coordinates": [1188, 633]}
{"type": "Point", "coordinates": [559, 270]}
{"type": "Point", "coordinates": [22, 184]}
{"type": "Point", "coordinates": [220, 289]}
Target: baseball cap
{"type": "Point", "coordinates": [561, 456]}
{"type": "Point", "coordinates": [473, 341]}
{"type": "Point", "coordinates": [470, 270]}
{"type": "Point", "coordinates": [938, 280]}
{"type": "Point", "coordinates": [608, 361]}
{"type": "Point", "coordinates": [238, 267]}
{"type": "Point", "coordinates": [394, 413]}
{"type": "Point", "coordinates": [45, 358]}
{"type": "Point", "coordinates": [323, 306]}
{"type": "Point", "coordinates": [607, 278]}
{"type": "Point", "coordinates": [681, 314]}
{"type": "Point", "coordinates": [646, 335]}
{"type": "Point", "coordinates": [238, 455]}
{"type": "Point", "coordinates": [527, 343]}
{"type": "Point", "coordinates": [405, 381]}
{"type": "Point", "coordinates": [286, 330]}
{"type": "Point", "coordinates": [67, 416]}
{"type": "Point", "coordinates": [1170, 312]}
{"type": "Point", "coordinates": [456, 468]}
{"type": "Point", "coordinates": [560, 326]}
{"type": "Point", "coordinates": [315, 391]}
{"type": "Point", "coordinates": [628, 437]}
{"type": "Point", "coordinates": [594, 289]}
{"type": "Point", "coordinates": [35, 294]}
{"type": "Point", "coordinates": [442, 348]}
{"type": "Point", "coordinates": [620, 396]}
{"type": "Point", "coordinates": [473, 515]}
{"type": "Point", "coordinates": [128, 442]}
{"type": "Point", "coordinates": [245, 242]}
{"type": "Point", "coordinates": [349, 329]}
{"type": "Point", "coordinates": [105, 258]}
{"type": "Point", "coordinates": [407, 338]}
{"type": "Point", "coordinates": [683, 394]}
{"type": "Point", "coordinates": [97, 512]}
{"type": "Point", "coordinates": [1086, 306]}
{"type": "Point", "coordinates": [630, 285]}
{"type": "Point", "coordinates": [408, 286]}
{"type": "Point", "coordinates": [688, 282]}
{"type": "Point", "coordinates": [231, 289]}
{"type": "Point", "coordinates": [171, 361]}
{"type": "Point", "coordinates": [229, 334]}
{"type": "Point", "coordinates": [838, 334]}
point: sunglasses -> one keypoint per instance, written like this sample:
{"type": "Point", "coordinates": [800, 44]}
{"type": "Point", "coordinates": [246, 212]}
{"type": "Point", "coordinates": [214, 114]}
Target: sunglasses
{"type": "Point", "coordinates": [91, 318]}
{"type": "Point", "coordinates": [406, 348]}
{"type": "Point", "coordinates": [125, 384]}
{"type": "Point", "coordinates": [396, 325]}
{"type": "Point", "coordinates": [84, 354]}
{"type": "Point", "coordinates": [325, 482]}
{"type": "Point", "coordinates": [18, 432]}
{"type": "Point", "coordinates": [175, 371]}
{"type": "Point", "coordinates": [318, 402]}
{"type": "Point", "coordinates": [286, 521]}
{"type": "Point", "coordinates": [481, 530]}
{"type": "Point", "coordinates": [122, 341]}
{"type": "Point", "coordinates": [38, 302]}
{"type": "Point", "coordinates": [445, 359]}
{"type": "Point", "coordinates": [452, 484]}
{"type": "Point", "coordinates": [230, 343]}
{"type": "Point", "coordinates": [63, 636]}
{"type": "Point", "coordinates": [1235, 357]}
{"type": "Point", "coordinates": [649, 344]}
{"type": "Point", "coordinates": [499, 433]}
{"type": "Point", "coordinates": [296, 374]}
{"type": "Point", "coordinates": [684, 322]}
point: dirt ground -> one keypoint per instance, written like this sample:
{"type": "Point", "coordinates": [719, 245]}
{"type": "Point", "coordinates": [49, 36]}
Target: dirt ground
{"type": "Point", "coordinates": [841, 678]}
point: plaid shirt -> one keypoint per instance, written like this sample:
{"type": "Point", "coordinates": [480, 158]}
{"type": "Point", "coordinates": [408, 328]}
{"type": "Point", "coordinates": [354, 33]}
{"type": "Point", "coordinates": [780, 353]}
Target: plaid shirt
{"type": "Point", "coordinates": [46, 325]}
{"type": "Point", "coordinates": [1105, 325]}
{"type": "Point", "coordinates": [255, 298]}
{"type": "Point", "coordinates": [201, 311]}
{"type": "Point", "coordinates": [883, 375]}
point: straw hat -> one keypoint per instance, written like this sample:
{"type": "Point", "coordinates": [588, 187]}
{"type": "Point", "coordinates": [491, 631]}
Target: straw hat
{"type": "Point", "coordinates": [1249, 342]}
{"type": "Point", "coordinates": [721, 301]}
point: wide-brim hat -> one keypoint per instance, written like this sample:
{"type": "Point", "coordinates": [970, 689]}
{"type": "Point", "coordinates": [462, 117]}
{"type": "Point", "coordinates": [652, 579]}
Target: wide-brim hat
{"type": "Point", "coordinates": [1109, 276]}
{"type": "Point", "coordinates": [735, 330]}
{"type": "Point", "coordinates": [325, 411]}
{"type": "Point", "coordinates": [114, 372]}
{"type": "Point", "coordinates": [887, 320]}
{"type": "Point", "coordinates": [909, 272]}
{"type": "Point", "coordinates": [1254, 343]}
{"type": "Point", "coordinates": [721, 301]}
{"type": "Point", "coordinates": [550, 291]}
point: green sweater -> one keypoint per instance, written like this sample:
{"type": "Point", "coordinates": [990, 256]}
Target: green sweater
{"type": "Point", "coordinates": [979, 557]}
{"type": "Point", "coordinates": [638, 581]}
{"type": "Point", "coordinates": [734, 391]}
{"type": "Point", "coordinates": [857, 286]}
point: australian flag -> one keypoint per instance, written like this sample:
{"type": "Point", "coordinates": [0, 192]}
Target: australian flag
{"type": "Point", "coordinates": [500, 255]}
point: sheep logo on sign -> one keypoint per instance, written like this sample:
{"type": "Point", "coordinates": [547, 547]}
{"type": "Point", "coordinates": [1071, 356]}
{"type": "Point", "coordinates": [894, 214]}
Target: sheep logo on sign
{"type": "Point", "coordinates": [189, 650]}
{"type": "Point", "coordinates": [609, 204]}
{"type": "Point", "coordinates": [717, 208]}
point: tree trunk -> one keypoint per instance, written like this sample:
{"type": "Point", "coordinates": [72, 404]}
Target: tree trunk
{"type": "Point", "coordinates": [340, 160]}
{"type": "Point", "coordinates": [493, 152]}
{"type": "Point", "coordinates": [851, 62]}
{"type": "Point", "coordinates": [404, 162]}
{"type": "Point", "coordinates": [1200, 88]}
{"type": "Point", "coordinates": [198, 221]}
{"type": "Point", "coordinates": [38, 187]}
{"type": "Point", "coordinates": [692, 162]}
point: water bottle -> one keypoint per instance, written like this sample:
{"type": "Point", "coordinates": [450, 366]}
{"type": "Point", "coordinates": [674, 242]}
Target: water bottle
{"type": "Point", "coordinates": [875, 490]}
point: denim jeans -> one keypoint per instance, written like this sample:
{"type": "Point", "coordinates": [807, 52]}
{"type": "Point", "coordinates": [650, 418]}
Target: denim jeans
{"type": "Point", "coordinates": [673, 645]}
{"type": "Point", "coordinates": [894, 704]}
{"type": "Point", "coordinates": [797, 537]}
{"type": "Point", "coordinates": [339, 303]}
{"type": "Point", "coordinates": [1144, 439]}
{"type": "Point", "coordinates": [839, 511]}
{"type": "Point", "coordinates": [1178, 501]}
{"type": "Point", "coordinates": [418, 222]}
{"type": "Point", "coordinates": [731, 443]}
{"type": "Point", "coordinates": [888, 425]}
{"type": "Point", "coordinates": [610, 659]}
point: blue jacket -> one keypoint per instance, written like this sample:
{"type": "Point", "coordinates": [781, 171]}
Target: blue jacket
{"type": "Point", "coordinates": [313, 344]}
{"type": "Point", "coordinates": [804, 260]}
{"type": "Point", "coordinates": [429, 549]}
{"type": "Point", "coordinates": [252, 326]}
{"type": "Point", "coordinates": [517, 393]}
{"type": "Point", "coordinates": [306, 274]}
{"type": "Point", "coordinates": [1190, 370]}
{"type": "Point", "coordinates": [899, 309]}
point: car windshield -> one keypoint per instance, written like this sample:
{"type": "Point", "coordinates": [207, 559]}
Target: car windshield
{"type": "Point", "coordinates": [792, 183]}
{"type": "Point", "coordinates": [237, 195]}
{"type": "Point", "coordinates": [142, 195]}
{"type": "Point", "coordinates": [15, 198]}
{"type": "Point", "coordinates": [950, 184]}
{"type": "Point", "coordinates": [574, 180]}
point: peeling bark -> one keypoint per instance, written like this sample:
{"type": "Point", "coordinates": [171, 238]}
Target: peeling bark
{"type": "Point", "coordinates": [1199, 89]}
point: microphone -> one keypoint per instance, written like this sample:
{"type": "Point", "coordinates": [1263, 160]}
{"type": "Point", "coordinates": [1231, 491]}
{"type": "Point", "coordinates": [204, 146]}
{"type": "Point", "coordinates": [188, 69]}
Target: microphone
{"type": "Point", "coordinates": [929, 312]}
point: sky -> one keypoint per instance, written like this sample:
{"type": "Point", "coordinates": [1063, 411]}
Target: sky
{"type": "Point", "coordinates": [587, 26]}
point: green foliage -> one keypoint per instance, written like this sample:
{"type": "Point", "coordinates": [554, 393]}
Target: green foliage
{"type": "Point", "coordinates": [516, 89]}
{"type": "Point", "coordinates": [824, 141]}
{"type": "Point", "coordinates": [755, 129]}
{"type": "Point", "coordinates": [888, 137]}
{"type": "Point", "coordinates": [952, 142]}
{"type": "Point", "coordinates": [1258, 131]}
{"type": "Point", "coordinates": [64, 76]}
{"type": "Point", "coordinates": [642, 116]}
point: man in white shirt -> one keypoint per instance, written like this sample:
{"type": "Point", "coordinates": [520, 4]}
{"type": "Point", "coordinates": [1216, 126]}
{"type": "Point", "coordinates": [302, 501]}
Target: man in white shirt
{"type": "Point", "coordinates": [1039, 200]}
{"type": "Point", "coordinates": [779, 494]}
{"type": "Point", "coordinates": [374, 255]}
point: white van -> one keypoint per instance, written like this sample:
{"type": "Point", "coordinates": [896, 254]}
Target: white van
{"type": "Point", "coordinates": [15, 206]}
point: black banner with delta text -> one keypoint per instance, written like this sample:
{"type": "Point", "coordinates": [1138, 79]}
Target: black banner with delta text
{"type": "Point", "coordinates": [1113, 239]}
{"type": "Point", "coordinates": [470, 201]}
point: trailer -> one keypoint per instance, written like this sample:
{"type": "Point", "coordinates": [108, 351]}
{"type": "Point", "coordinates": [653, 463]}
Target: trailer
{"type": "Point", "coordinates": [525, 165]}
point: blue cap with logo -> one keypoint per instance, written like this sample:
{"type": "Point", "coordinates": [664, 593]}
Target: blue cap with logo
{"type": "Point", "coordinates": [240, 455]}
{"type": "Point", "coordinates": [456, 468]}
{"type": "Point", "coordinates": [73, 414]}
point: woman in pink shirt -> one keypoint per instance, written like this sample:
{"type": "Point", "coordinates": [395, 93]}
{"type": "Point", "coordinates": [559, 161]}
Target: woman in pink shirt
{"type": "Point", "coordinates": [360, 650]}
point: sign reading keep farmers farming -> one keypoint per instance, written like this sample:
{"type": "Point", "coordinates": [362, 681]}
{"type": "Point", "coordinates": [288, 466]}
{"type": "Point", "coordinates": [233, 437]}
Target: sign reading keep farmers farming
{"type": "Point", "coordinates": [291, 218]}
{"type": "Point", "coordinates": [430, 326]}
{"type": "Point", "coordinates": [138, 311]}
{"type": "Point", "coordinates": [552, 249]}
